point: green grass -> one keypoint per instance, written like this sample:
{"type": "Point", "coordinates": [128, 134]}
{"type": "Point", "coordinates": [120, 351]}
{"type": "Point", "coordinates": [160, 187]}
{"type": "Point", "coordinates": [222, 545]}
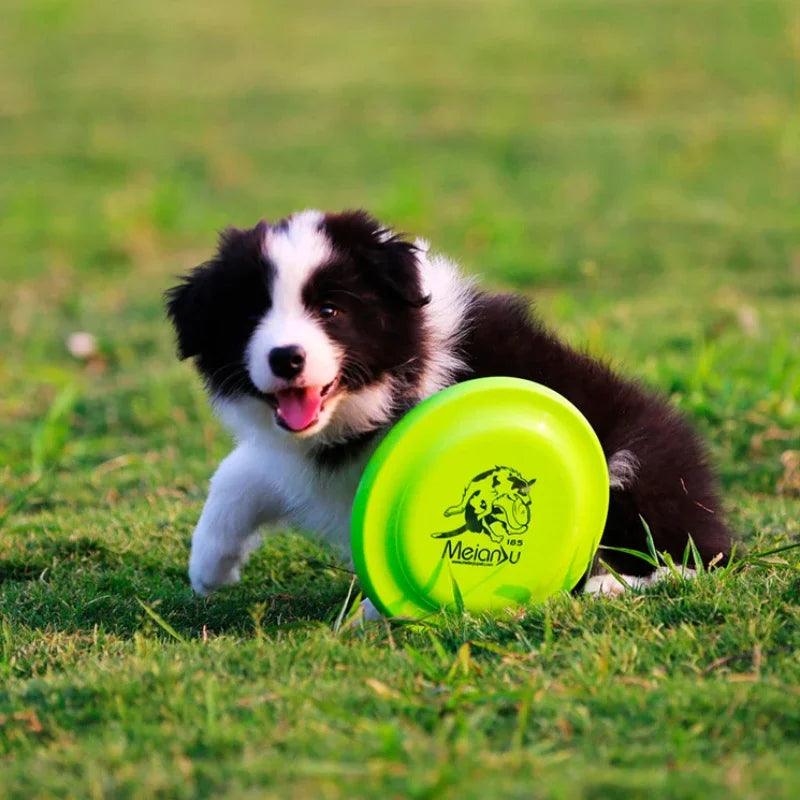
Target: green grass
{"type": "Point", "coordinates": [632, 165]}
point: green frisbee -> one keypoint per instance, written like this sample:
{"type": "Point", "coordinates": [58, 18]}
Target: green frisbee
{"type": "Point", "coordinates": [491, 493]}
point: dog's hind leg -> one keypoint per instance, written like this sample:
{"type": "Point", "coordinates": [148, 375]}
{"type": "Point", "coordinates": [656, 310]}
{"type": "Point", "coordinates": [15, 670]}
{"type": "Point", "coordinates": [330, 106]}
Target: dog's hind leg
{"type": "Point", "coordinates": [661, 484]}
{"type": "Point", "coordinates": [608, 584]}
{"type": "Point", "coordinates": [664, 487]}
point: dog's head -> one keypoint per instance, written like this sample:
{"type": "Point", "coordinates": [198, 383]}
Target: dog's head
{"type": "Point", "coordinates": [316, 313]}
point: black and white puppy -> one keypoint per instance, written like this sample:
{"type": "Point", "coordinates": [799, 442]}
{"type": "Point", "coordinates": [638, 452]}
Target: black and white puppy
{"type": "Point", "coordinates": [315, 334]}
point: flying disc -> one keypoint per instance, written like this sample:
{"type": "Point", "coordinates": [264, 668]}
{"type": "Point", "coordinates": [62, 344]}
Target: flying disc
{"type": "Point", "coordinates": [491, 493]}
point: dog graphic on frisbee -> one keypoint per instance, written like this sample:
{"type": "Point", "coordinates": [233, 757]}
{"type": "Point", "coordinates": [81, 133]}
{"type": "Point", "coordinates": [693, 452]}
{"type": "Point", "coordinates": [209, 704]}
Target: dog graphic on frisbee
{"type": "Point", "coordinates": [496, 503]}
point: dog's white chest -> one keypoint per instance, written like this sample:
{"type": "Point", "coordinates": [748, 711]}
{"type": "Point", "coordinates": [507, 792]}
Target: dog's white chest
{"type": "Point", "coordinates": [319, 501]}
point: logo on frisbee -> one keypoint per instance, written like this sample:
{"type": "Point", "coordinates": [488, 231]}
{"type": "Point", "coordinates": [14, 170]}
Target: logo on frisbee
{"type": "Point", "coordinates": [496, 503]}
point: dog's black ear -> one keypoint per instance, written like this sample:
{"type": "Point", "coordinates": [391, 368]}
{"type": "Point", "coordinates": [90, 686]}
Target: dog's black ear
{"type": "Point", "coordinates": [193, 306]}
{"type": "Point", "coordinates": [391, 259]}
{"type": "Point", "coordinates": [189, 308]}
{"type": "Point", "coordinates": [398, 271]}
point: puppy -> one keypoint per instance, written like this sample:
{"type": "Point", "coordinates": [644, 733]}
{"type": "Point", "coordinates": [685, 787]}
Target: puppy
{"type": "Point", "coordinates": [315, 334]}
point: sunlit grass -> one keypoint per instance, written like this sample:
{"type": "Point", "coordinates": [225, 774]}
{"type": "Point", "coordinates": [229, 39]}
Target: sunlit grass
{"type": "Point", "coordinates": [632, 167]}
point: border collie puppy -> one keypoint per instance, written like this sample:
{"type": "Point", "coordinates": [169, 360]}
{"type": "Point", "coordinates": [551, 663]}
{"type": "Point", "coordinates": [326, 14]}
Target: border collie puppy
{"type": "Point", "coordinates": [315, 334]}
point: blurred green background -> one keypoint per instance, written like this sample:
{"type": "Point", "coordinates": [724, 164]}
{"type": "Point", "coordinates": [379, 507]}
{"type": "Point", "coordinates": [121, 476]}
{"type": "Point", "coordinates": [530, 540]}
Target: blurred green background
{"type": "Point", "coordinates": [632, 166]}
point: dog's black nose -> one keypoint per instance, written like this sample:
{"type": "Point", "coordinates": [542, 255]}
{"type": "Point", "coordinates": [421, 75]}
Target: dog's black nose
{"type": "Point", "coordinates": [287, 362]}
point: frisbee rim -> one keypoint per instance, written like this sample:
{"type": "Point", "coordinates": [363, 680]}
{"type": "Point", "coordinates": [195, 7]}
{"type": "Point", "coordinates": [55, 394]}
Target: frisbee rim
{"type": "Point", "coordinates": [398, 432]}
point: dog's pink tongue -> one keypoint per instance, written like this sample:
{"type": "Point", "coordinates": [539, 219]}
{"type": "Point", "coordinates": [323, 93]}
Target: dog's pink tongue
{"type": "Point", "coordinates": [299, 408]}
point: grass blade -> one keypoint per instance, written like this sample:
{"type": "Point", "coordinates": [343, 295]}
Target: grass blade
{"type": "Point", "coordinates": [355, 617]}
{"type": "Point", "coordinates": [696, 557]}
{"type": "Point", "coordinates": [161, 622]}
{"type": "Point", "coordinates": [646, 557]}
{"type": "Point", "coordinates": [651, 545]}
{"type": "Point", "coordinates": [462, 661]}
{"type": "Point", "coordinates": [615, 574]}
{"type": "Point", "coordinates": [772, 552]}
{"type": "Point", "coordinates": [458, 598]}
{"type": "Point", "coordinates": [337, 625]}
{"type": "Point", "coordinates": [669, 563]}
{"type": "Point", "coordinates": [436, 644]}
{"type": "Point", "coordinates": [7, 650]}
{"type": "Point", "coordinates": [49, 439]}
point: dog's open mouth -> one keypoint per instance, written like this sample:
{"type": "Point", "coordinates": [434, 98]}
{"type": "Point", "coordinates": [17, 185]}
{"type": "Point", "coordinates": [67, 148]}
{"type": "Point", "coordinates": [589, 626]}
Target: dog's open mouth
{"type": "Point", "coordinates": [297, 408]}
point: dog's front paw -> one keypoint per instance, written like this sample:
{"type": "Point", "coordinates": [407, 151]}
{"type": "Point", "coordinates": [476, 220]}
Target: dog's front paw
{"type": "Point", "coordinates": [366, 613]}
{"type": "Point", "coordinates": [207, 574]}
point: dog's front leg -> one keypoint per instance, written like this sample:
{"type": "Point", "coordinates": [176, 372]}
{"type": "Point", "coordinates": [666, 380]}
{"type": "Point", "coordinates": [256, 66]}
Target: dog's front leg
{"type": "Point", "coordinates": [240, 499]}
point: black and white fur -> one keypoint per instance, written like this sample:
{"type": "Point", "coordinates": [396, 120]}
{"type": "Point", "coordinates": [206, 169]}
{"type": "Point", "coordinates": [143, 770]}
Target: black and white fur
{"type": "Point", "coordinates": [381, 324]}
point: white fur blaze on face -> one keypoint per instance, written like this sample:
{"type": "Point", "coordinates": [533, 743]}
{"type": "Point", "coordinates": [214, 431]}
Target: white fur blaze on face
{"type": "Point", "coordinates": [295, 250]}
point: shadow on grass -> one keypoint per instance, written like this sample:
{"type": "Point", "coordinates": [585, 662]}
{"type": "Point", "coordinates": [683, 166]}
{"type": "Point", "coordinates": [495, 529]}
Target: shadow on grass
{"type": "Point", "coordinates": [81, 585]}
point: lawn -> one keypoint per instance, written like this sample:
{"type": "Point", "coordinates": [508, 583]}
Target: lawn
{"type": "Point", "coordinates": [632, 166]}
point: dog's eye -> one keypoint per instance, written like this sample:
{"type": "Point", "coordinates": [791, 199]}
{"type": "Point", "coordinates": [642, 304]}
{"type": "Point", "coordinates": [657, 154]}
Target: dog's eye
{"type": "Point", "coordinates": [328, 311]}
